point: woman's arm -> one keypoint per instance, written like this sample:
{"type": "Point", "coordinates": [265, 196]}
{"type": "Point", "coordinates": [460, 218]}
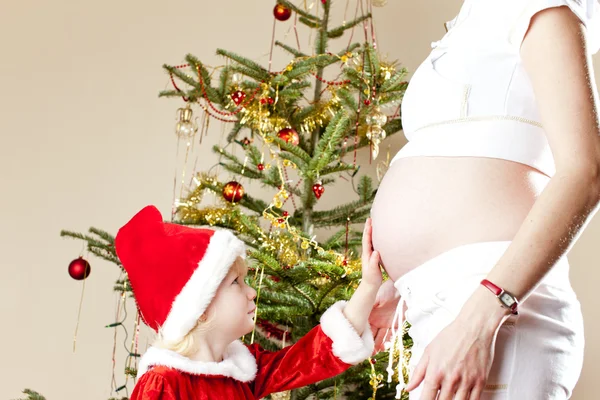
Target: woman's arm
{"type": "Point", "coordinates": [554, 55]}
{"type": "Point", "coordinates": [457, 362]}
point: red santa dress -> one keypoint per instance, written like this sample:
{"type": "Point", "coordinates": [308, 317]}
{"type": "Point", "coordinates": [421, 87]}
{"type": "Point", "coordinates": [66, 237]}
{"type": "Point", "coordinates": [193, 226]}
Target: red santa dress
{"type": "Point", "coordinates": [249, 372]}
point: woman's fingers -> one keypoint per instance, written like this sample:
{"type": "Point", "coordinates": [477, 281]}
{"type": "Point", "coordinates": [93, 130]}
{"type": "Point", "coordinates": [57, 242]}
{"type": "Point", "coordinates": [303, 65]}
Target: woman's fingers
{"type": "Point", "coordinates": [380, 338]}
{"type": "Point", "coordinates": [463, 393]}
{"type": "Point", "coordinates": [476, 392]}
{"type": "Point", "coordinates": [418, 374]}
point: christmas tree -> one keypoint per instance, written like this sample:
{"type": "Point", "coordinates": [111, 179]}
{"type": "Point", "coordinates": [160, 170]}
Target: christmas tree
{"type": "Point", "coordinates": [299, 132]}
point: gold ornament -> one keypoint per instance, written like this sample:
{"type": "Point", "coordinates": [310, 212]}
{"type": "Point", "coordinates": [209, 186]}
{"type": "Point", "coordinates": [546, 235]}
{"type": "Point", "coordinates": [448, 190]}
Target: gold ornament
{"type": "Point", "coordinates": [375, 133]}
{"type": "Point", "coordinates": [186, 126]}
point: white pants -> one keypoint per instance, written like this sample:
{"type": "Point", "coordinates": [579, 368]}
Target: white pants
{"type": "Point", "coordinates": [538, 354]}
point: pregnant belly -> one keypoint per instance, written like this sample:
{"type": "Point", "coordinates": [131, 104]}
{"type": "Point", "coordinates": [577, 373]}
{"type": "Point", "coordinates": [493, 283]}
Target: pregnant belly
{"type": "Point", "coordinates": [428, 205]}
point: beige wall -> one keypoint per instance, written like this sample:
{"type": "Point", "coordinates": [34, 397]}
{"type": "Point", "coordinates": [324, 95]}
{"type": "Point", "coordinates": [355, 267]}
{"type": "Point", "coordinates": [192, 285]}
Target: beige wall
{"type": "Point", "coordinates": [85, 141]}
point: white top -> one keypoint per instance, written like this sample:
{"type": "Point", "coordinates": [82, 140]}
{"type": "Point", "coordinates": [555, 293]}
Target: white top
{"type": "Point", "coordinates": [472, 97]}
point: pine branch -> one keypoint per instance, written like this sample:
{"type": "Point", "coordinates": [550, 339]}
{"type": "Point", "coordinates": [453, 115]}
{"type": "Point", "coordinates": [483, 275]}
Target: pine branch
{"type": "Point", "coordinates": [339, 31]}
{"type": "Point", "coordinates": [358, 216]}
{"type": "Point", "coordinates": [309, 23]}
{"type": "Point", "coordinates": [224, 78]}
{"type": "Point", "coordinates": [393, 97]}
{"type": "Point", "coordinates": [178, 73]}
{"type": "Point", "coordinates": [341, 167]}
{"type": "Point", "coordinates": [237, 127]}
{"type": "Point", "coordinates": [298, 10]}
{"type": "Point", "coordinates": [295, 150]}
{"type": "Point", "coordinates": [394, 83]}
{"type": "Point", "coordinates": [204, 88]}
{"type": "Point", "coordinates": [371, 64]}
{"type": "Point", "coordinates": [171, 93]}
{"type": "Point", "coordinates": [31, 395]}
{"type": "Point", "coordinates": [329, 143]}
{"type": "Point", "coordinates": [258, 69]}
{"type": "Point", "coordinates": [246, 171]}
{"type": "Point", "coordinates": [347, 99]}
{"type": "Point", "coordinates": [291, 50]}
{"type": "Point", "coordinates": [365, 189]}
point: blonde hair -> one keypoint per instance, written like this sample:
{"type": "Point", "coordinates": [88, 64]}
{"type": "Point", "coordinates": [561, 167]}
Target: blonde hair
{"type": "Point", "coordinates": [188, 345]}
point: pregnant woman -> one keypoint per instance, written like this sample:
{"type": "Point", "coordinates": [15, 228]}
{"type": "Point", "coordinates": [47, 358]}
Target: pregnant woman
{"type": "Point", "coordinates": [476, 213]}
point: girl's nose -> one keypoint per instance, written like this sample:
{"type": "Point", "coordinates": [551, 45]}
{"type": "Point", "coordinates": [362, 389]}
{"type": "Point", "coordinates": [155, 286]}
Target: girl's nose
{"type": "Point", "coordinates": [252, 293]}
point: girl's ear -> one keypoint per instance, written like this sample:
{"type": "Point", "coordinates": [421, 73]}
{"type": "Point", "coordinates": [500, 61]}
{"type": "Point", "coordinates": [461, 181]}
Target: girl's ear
{"type": "Point", "coordinates": [203, 318]}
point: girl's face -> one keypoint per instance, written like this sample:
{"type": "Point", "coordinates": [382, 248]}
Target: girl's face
{"type": "Point", "coordinates": [231, 313]}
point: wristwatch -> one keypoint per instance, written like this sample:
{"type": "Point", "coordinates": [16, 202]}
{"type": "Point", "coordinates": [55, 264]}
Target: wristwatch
{"type": "Point", "coordinates": [507, 299]}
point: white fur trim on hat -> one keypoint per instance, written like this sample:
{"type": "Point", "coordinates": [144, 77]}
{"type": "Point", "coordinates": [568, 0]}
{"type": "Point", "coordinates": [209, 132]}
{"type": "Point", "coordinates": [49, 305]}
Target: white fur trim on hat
{"type": "Point", "coordinates": [238, 363]}
{"type": "Point", "coordinates": [202, 286]}
{"type": "Point", "coordinates": [347, 345]}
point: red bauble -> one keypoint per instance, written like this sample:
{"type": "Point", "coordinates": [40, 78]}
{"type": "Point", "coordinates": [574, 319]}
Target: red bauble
{"type": "Point", "coordinates": [261, 167]}
{"type": "Point", "coordinates": [233, 191]}
{"type": "Point", "coordinates": [285, 213]}
{"type": "Point", "coordinates": [282, 13]}
{"type": "Point", "coordinates": [271, 100]}
{"type": "Point", "coordinates": [367, 102]}
{"type": "Point", "coordinates": [79, 269]}
{"type": "Point", "coordinates": [318, 190]}
{"type": "Point", "coordinates": [238, 96]}
{"type": "Point", "coordinates": [289, 135]}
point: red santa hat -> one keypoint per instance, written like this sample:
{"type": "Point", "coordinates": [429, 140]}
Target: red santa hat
{"type": "Point", "coordinates": [174, 270]}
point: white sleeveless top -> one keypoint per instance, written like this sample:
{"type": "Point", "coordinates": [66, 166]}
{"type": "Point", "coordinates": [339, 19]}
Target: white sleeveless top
{"type": "Point", "coordinates": [472, 97]}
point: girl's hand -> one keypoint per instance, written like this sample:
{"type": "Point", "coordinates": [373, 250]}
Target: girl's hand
{"type": "Point", "coordinates": [371, 272]}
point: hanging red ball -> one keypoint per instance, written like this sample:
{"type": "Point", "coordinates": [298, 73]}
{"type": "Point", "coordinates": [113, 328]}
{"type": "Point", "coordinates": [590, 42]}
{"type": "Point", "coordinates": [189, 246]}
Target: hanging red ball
{"type": "Point", "coordinates": [318, 190]}
{"type": "Point", "coordinates": [238, 97]}
{"type": "Point", "coordinates": [285, 213]}
{"type": "Point", "coordinates": [271, 100]}
{"type": "Point", "coordinates": [79, 269]}
{"type": "Point", "coordinates": [261, 167]}
{"type": "Point", "coordinates": [289, 135]}
{"type": "Point", "coordinates": [367, 102]}
{"type": "Point", "coordinates": [233, 191]}
{"type": "Point", "coordinates": [282, 13]}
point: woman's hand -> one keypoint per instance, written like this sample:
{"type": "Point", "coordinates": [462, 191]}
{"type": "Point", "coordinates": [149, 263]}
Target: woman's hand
{"type": "Point", "coordinates": [382, 315]}
{"type": "Point", "coordinates": [371, 272]}
{"type": "Point", "coordinates": [458, 360]}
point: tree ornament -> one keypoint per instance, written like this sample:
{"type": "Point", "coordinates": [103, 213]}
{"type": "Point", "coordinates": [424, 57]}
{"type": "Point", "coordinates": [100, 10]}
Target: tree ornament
{"type": "Point", "coordinates": [281, 12]}
{"type": "Point", "coordinates": [289, 135]}
{"type": "Point", "coordinates": [376, 117]}
{"type": "Point", "coordinates": [261, 167]}
{"type": "Point", "coordinates": [186, 127]}
{"type": "Point", "coordinates": [246, 141]}
{"type": "Point", "coordinates": [375, 134]}
{"type": "Point", "coordinates": [233, 191]}
{"type": "Point", "coordinates": [238, 97]}
{"type": "Point", "coordinates": [318, 189]}
{"type": "Point", "coordinates": [79, 269]}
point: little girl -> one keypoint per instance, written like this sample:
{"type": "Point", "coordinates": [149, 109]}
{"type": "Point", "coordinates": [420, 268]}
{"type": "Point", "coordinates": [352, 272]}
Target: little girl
{"type": "Point", "coordinates": [189, 286]}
